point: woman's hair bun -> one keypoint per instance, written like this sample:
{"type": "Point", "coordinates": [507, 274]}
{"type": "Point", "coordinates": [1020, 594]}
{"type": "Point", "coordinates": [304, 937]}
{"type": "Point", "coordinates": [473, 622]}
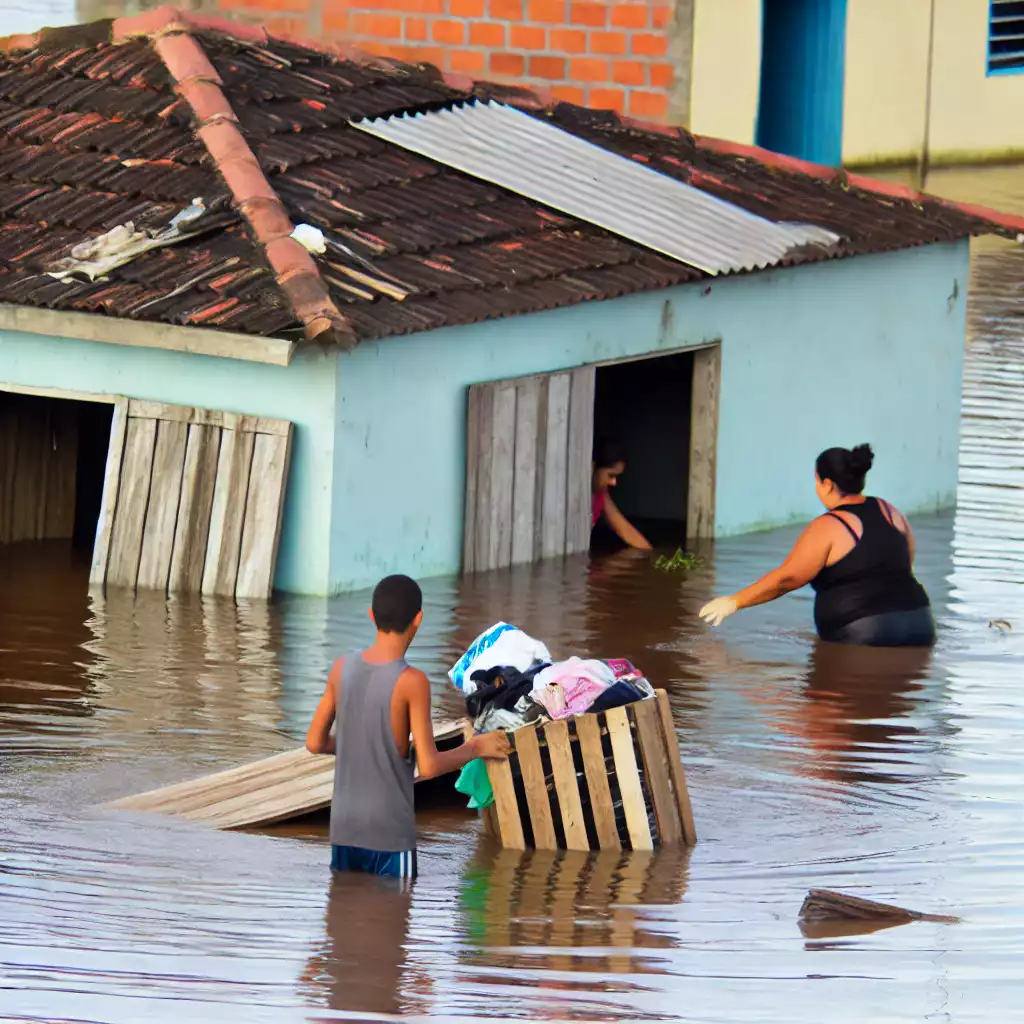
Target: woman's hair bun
{"type": "Point", "coordinates": [861, 459]}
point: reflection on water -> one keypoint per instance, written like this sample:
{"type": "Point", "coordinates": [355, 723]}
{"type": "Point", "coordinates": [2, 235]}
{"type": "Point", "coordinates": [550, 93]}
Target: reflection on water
{"type": "Point", "coordinates": [891, 774]}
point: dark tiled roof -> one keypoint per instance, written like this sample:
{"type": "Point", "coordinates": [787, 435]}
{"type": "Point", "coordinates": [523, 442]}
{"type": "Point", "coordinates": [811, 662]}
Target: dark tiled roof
{"type": "Point", "coordinates": [132, 119]}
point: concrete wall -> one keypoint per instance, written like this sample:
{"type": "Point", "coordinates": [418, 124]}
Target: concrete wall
{"type": "Point", "coordinates": [302, 393]}
{"type": "Point", "coordinates": [974, 116]}
{"type": "Point", "coordinates": [726, 69]}
{"type": "Point", "coordinates": [886, 90]}
{"type": "Point", "coordinates": [868, 349]}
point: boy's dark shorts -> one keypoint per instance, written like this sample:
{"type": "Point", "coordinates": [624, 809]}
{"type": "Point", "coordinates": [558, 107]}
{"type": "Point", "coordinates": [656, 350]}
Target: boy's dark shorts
{"type": "Point", "coordinates": [374, 862]}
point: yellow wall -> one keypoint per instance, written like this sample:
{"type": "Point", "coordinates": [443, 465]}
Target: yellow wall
{"type": "Point", "coordinates": [885, 93]}
{"type": "Point", "coordinates": [974, 116]}
{"type": "Point", "coordinates": [726, 68]}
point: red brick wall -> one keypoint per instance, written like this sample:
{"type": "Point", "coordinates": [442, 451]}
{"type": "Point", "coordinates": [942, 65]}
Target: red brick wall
{"type": "Point", "coordinates": [608, 54]}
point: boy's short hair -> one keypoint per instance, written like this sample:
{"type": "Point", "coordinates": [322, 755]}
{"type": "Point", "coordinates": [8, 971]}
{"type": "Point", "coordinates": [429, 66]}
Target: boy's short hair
{"type": "Point", "coordinates": [397, 600]}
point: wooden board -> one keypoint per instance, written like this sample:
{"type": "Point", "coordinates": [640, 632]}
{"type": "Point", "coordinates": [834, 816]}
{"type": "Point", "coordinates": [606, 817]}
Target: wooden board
{"type": "Point", "coordinates": [528, 469]}
{"type": "Point", "coordinates": [556, 458]}
{"type": "Point", "coordinates": [111, 489]}
{"type": "Point", "coordinates": [263, 792]}
{"type": "Point", "coordinates": [261, 529]}
{"type": "Point", "coordinates": [566, 786]}
{"type": "Point", "coordinates": [532, 769]}
{"type": "Point", "coordinates": [164, 499]}
{"type": "Point", "coordinates": [628, 777]}
{"type": "Point", "coordinates": [132, 502]}
{"type": "Point", "coordinates": [588, 729]}
{"type": "Point", "coordinates": [700, 501]}
{"type": "Point", "coordinates": [676, 770]}
{"type": "Point", "coordinates": [656, 771]}
{"type": "Point", "coordinates": [524, 487]}
{"type": "Point", "coordinates": [192, 529]}
{"type": "Point", "coordinates": [580, 460]}
{"type": "Point", "coordinates": [506, 807]}
{"type": "Point", "coordinates": [192, 500]}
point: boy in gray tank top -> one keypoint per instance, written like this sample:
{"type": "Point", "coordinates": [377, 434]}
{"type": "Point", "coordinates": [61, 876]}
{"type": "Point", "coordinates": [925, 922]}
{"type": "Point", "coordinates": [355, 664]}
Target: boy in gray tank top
{"type": "Point", "coordinates": [375, 700]}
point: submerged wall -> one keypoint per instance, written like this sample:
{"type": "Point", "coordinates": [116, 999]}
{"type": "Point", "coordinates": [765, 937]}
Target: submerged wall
{"type": "Point", "coordinates": [866, 349]}
{"type": "Point", "coordinates": [302, 392]}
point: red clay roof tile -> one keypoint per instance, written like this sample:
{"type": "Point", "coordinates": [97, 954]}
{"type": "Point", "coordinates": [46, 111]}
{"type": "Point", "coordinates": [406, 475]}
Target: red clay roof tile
{"type": "Point", "coordinates": [91, 134]}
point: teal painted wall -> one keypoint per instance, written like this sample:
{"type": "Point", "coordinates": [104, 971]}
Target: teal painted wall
{"type": "Point", "coordinates": [302, 393]}
{"type": "Point", "coordinates": [868, 349]}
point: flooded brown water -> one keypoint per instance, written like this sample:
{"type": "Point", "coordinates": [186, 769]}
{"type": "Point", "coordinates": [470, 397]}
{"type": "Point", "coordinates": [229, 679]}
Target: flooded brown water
{"type": "Point", "coordinates": [894, 775]}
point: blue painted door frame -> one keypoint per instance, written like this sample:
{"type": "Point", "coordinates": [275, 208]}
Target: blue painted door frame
{"type": "Point", "coordinates": [803, 56]}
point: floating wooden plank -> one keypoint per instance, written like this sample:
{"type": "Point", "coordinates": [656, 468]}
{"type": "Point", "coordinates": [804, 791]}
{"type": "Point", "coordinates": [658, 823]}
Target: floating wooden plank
{"type": "Point", "coordinates": [261, 530]}
{"type": "Point", "coordinates": [580, 460]}
{"type": "Point", "coordinates": [193, 525]}
{"type": "Point", "coordinates": [164, 498]}
{"type": "Point", "coordinates": [588, 729]}
{"type": "Point", "coordinates": [506, 807]}
{"type": "Point", "coordinates": [676, 770]}
{"type": "Point", "coordinates": [532, 769]}
{"type": "Point", "coordinates": [132, 502]}
{"type": "Point", "coordinates": [568, 790]}
{"type": "Point", "coordinates": [656, 771]}
{"type": "Point", "coordinates": [263, 792]}
{"type": "Point", "coordinates": [825, 905]}
{"type": "Point", "coordinates": [224, 546]}
{"type": "Point", "coordinates": [111, 489]}
{"type": "Point", "coordinates": [524, 486]}
{"type": "Point", "coordinates": [555, 467]}
{"type": "Point", "coordinates": [628, 777]}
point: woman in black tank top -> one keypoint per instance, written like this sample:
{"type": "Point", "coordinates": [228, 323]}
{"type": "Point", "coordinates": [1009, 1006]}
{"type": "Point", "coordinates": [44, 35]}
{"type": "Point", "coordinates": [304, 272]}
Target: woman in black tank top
{"type": "Point", "coordinates": [859, 559]}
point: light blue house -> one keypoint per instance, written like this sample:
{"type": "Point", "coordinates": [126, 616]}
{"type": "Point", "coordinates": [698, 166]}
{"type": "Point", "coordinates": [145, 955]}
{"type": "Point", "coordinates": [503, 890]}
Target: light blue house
{"type": "Point", "coordinates": [415, 385]}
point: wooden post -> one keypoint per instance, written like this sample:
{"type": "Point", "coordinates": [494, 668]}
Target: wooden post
{"type": "Point", "coordinates": [700, 502]}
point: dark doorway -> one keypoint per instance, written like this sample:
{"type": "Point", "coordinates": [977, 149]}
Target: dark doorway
{"type": "Point", "coordinates": [53, 454]}
{"type": "Point", "coordinates": [803, 56]}
{"type": "Point", "coordinates": [645, 406]}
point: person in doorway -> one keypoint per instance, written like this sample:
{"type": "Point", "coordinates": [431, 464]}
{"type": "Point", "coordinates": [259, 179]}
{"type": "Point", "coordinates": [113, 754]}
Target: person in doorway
{"type": "Point", "coordinates": [859, 559]}
{"type": "Point", "coordinates": [374, 700]}
{"type": "Point", "coordinates": [609, 464]}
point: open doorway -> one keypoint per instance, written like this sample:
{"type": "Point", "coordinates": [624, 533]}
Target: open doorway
{"type": "Point", "coordinates": [53, 454]}
{"type": "Point", "coordinates": [646, 407]}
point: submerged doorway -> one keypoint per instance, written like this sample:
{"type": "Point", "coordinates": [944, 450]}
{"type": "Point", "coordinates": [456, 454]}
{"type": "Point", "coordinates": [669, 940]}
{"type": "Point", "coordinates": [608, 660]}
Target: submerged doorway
{"type": "Point", "coordinates": [645, 407]}
{"type": "Point", "coordinates": [803, 56]}
{"type": "Point", "coordinates": [529, 445]}
{"type": "Point", "coordinates": [53, 455]}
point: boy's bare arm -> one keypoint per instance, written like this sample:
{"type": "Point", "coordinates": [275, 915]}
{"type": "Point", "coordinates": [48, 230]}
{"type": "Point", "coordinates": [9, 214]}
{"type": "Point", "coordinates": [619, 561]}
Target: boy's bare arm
{"type": "Point", "coordinates": [431, 761]}
{"type": "Point", "coordinates": [319, 739]}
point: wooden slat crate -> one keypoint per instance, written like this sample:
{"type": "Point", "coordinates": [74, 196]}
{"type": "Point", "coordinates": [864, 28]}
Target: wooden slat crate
{"type": "Point", "coordinates": [608, 781]}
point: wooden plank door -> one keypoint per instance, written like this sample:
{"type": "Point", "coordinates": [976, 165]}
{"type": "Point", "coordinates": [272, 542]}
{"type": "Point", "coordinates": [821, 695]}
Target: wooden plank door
{"type": "Point", "coordinates": [192, 500]}
{"type": "Point", "coordinates": [528, 469]}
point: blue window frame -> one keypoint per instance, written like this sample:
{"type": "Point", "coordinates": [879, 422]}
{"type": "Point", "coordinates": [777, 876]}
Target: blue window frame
{"type": "Point", "coordinates": [1006, 37]}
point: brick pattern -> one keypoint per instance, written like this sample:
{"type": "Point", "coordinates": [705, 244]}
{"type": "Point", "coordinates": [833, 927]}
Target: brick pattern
{"type": "Point", "coordinates": [605, 54]}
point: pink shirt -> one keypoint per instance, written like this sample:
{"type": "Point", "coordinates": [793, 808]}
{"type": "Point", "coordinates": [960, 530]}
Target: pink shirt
{"type": "Point", "coordinates": [596, 507]}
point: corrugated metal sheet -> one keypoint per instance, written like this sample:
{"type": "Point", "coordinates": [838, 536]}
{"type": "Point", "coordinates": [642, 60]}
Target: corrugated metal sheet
{"type": "Point", "coordinates": [541, 161]}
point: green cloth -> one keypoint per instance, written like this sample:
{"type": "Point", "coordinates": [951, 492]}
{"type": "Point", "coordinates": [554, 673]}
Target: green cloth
{"type": "Point", "coordinates": [473, 781]}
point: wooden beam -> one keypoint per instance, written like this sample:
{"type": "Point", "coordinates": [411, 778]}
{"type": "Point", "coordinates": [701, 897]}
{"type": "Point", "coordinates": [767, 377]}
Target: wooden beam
{"type": "Point", "coordinates": [208, 417]}
{"type": "Point", "coordinates": [700, 502]}
{"type": "Point", "coordinates": [112, 330]}
{"type": "Point", "coordinates": [73, 396]}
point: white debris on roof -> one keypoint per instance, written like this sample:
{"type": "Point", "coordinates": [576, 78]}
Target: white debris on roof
{"type": "Point", "coordinates": [95, 258]}
{"type": "Point", "coordinates": [549, 165]}
{"type": "Point", "coordinates": [310, 238]}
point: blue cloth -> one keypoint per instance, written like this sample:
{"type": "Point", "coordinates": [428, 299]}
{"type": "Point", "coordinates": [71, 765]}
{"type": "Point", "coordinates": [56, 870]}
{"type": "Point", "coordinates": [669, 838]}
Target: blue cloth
{"type": "Point", "coordinates": [374, 862]}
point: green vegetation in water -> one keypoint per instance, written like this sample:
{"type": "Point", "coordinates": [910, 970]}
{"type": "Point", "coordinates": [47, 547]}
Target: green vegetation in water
{"type": "Point", "coordinates": [681, 561]}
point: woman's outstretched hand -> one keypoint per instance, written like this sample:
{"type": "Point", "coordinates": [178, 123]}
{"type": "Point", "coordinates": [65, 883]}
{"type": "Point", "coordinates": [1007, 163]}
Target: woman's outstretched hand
{"type": "Point", "coordinates": [714, 613]}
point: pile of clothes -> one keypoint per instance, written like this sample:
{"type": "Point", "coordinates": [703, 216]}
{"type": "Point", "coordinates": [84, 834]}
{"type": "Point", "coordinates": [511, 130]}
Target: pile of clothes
{"type": "Point", "coordinates": [510, 680]}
